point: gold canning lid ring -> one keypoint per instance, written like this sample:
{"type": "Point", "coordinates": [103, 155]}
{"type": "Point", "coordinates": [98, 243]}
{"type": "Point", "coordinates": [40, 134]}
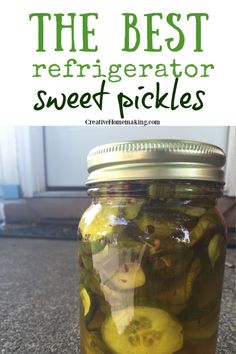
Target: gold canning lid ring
{"type": "Point", "coordinates": [156, 159]}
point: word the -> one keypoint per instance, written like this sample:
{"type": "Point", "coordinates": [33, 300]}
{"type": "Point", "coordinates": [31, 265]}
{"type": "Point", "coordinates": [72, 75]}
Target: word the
{"type": "Point", "coordinates": [80, 31]}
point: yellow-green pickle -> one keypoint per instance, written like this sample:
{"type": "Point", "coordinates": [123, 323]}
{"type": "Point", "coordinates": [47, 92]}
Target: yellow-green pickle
{"type": "Point", "coordinates": [152, 249]}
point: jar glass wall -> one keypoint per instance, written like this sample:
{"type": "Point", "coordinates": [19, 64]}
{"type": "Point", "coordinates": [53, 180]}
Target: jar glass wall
{"type": "Point", "coordinates": [151, 258]}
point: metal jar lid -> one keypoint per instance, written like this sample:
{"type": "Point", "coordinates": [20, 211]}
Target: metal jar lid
{"type": "Point", "coordinates": [156, 159]}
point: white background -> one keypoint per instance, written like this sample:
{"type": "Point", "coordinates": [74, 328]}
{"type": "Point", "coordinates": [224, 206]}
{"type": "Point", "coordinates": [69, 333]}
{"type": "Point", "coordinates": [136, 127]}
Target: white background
{"type": "Point", "coordinates": [19, 41]}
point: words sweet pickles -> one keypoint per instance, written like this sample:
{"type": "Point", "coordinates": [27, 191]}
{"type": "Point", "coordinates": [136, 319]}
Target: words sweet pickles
{"type": "Point", "coordinates": [152, 249]}
{"type": "Point", "coordinates": [141, 34]}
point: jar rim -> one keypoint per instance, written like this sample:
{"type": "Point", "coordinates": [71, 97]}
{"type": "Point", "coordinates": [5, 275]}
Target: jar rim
{"type": "Point", "coordinates": [156, 159]}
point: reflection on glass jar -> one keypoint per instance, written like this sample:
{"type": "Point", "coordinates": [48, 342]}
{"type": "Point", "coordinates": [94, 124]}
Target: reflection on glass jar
{"type": "Point", "coordinates": [151, 256]}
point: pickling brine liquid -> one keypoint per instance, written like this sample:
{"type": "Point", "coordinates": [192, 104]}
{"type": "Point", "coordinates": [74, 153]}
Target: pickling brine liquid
{"type": "Point", "coordinates": [151, 269]}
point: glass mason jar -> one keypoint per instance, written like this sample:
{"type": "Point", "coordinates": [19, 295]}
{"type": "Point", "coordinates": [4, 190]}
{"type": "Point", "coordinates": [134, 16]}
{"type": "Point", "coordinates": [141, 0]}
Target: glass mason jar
{"type": "Point", "coordinates": [152, 249]}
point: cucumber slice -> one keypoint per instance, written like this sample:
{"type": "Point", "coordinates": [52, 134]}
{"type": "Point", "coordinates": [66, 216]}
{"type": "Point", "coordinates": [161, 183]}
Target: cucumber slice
{"type": "Point", "coordinates": [142, 330]}
{"type": "Point", "coordinates": [176, 297]}
{"type": "Point", "coordinates": [189, 210]}
{"type": "Point", "coordinates": [88, 304]}
{"type": "Point", "coordinates": [132, 209]}
{"type": "Point", "coordinates": [193, 211]}
{"type": "Point", "coordinates": [214, 248]}
{"type": "Point", "coordinates": [96, 322]}
{"type": "Point", "coordinates": [93, 344]}
{"type": "Point", "coordinates": [98, 221]}
{"type": "Point", "coordinates": [208, 221]}
{"type": "Point", "coordinates": [85, 298]}
{"type": "Point", "coordinates": [202, 328]}
{"type": "Point", "coordinates": [173, 265]}
{"type": "Point", "coordinates": [167, 226]}
{"type": "Point", "coordinates": [87, 248]}
{"type": "Point", "coordinates": [128, 276]}
{"type": "Point", "coordinates": [157, 225]}
{"type": "Point", "coordinates": [87, 262]}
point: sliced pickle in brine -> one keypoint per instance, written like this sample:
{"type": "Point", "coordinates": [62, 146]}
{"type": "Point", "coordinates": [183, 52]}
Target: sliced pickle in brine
{"type": "Point", "coordinates": [99, 221]}
{"type": "Point", "coordinates": [163, 224]}
{"type": "Point", "coordinates": [178, 293]}
{"type": "Point", "coordinates": [93, 344]}
{"type": "Point", "coordinates": [173, 265]}
{"type": "Point", "coordinates": [96, 321]}
{"type": "Point", "coordinates": [201, 328]}
{"type": "Point", "coordinates": [91, 247]}
{"type": "Point", "coordinates": [133, 207]}
{"type": "Point", "coordinates": [205, 297]}
{"type": "Point", "coordinates": [89, 304]}
{"type": "Point", "coordinates": [142, 330]}
{"type": "Point", "coordinates": [207, 222]}
{"type": "Point", "coordinates": [193, 211]}
{"type": "Point", "coordinates": [91, 281]}
{"type": "Point", "coordinates": [128, 276]}
{"type": "Point", "coordinates": [189, 210]}
{"type": "Point", "coordinates": [214, 248]}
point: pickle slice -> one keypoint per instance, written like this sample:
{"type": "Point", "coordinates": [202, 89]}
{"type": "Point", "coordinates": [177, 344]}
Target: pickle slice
{"type": "Point", "coordinates": [93, 344]}
{"type": "Point", "coordinates": [176, 297]}
{"type": "Point", "coordinates": [157, 225]}
{"type": "Point", "coordinates": [87, 262]}
{"type": "Point", "coordinates": [142, 330]}
{"type": "Point", "coordinates": [202, 328]}
{"type": "Point", "coordinates": [96, 322]}
{"type": "Point", "coordinates": [99, 221]}
{"type": "Point", "coordinates": [88, 303]}
{"type": "Point", "coordinates": [194, 211]}
{"type": "Point", "coordinates": [214, 248]}
{"type": "Point", "coordinates": [133, 208]}
{"type": "Point", "coordinates": [128, 276]}
{"type": "Point", "coordinates": [85, 300]}
{"type": "Point", "coordinates": [174, 265]}
{"type": "Point", "coordinates": [208, 221]}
